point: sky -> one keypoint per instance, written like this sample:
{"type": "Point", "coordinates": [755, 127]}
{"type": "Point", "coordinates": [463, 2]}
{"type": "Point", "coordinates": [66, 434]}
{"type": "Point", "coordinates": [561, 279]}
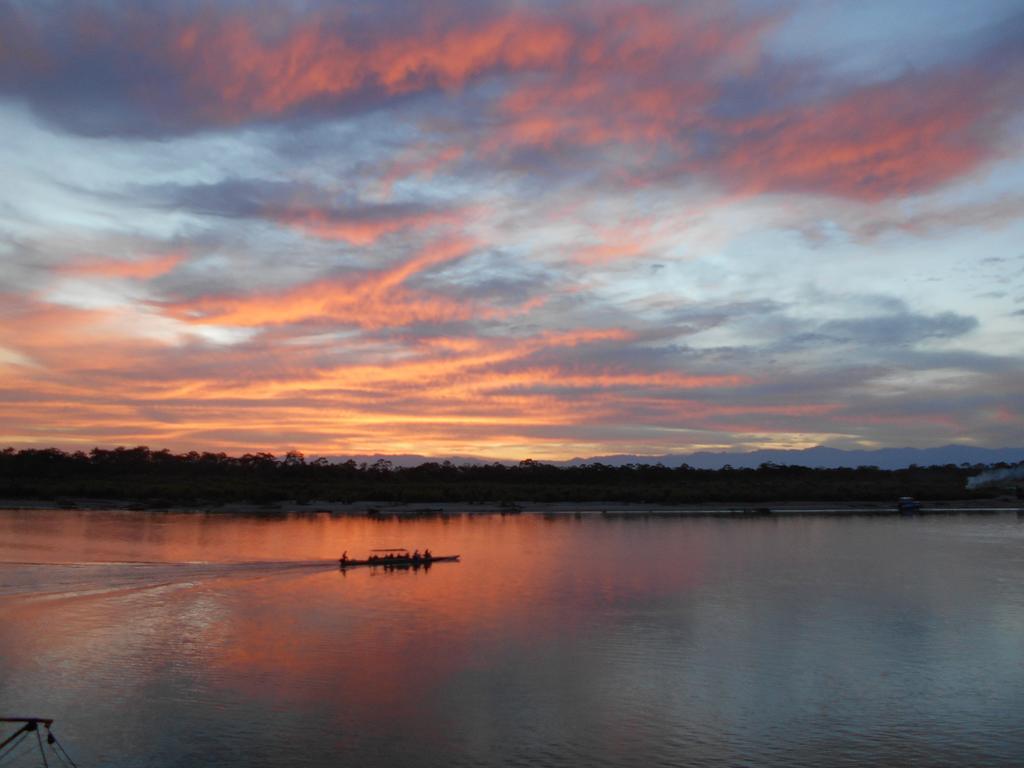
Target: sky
{"type": "Point", "coordinates": [511, 230]}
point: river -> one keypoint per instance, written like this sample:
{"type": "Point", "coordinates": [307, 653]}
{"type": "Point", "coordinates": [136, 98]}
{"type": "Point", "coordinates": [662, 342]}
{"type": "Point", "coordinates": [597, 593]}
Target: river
{"type": "Point", "coordinates": [181, 640]}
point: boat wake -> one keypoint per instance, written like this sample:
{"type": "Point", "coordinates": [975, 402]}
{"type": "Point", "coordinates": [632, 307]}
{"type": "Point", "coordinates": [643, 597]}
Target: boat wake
{"type": "Point", "coordinates": [50, 580]}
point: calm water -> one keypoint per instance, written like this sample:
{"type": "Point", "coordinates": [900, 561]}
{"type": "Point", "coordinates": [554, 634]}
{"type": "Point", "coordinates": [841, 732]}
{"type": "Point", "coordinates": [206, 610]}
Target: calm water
{"type": "Point", "coordinates": [171, 640]}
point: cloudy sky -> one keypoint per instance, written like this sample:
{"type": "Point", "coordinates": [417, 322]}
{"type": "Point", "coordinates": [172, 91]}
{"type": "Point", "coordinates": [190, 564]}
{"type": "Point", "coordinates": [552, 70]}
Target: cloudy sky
{"type": "Point", "coordinates": [544, 229]}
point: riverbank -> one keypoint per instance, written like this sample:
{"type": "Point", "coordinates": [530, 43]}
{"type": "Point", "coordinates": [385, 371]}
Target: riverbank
{"type": "Point", "coordinates": [609, 509]}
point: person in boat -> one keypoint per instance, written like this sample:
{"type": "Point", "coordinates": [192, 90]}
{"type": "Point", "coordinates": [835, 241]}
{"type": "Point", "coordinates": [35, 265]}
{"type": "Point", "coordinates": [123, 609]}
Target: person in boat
{"type": "Point", "coordinates": [416, 556]}
{"type": "Point", "coordinates": [344, 557]}
{"type": "Point", "coordinates": [426, 554]}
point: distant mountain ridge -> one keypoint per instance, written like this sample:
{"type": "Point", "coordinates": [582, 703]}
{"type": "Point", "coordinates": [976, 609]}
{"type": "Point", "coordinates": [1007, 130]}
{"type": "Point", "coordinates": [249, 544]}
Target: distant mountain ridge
{"type": "Point", "coordinates": [823, 457]}
{"type": "Point", "coordinates": [818, 457]}
{"type": "Point", "coordinates": [411, 459]}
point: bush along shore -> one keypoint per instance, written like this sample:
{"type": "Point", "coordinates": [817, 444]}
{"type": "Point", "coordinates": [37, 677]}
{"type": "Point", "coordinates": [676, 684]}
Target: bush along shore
{"type": "Point", "coordinates": [163, 479]}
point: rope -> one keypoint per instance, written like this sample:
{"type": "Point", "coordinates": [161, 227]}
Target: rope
{"type": "Point", "coordinates": [31, 748]}
{"type": "Point", "coordinates": [42, 750]}
{"type": "Point", "coordinates": [13, 744]}
{"type": "Point", "coordinates": [60, 746]}
{"type": "Point", "coordinates": [57, 755]}
{"type": "Point", "coordinates": [50, 739]}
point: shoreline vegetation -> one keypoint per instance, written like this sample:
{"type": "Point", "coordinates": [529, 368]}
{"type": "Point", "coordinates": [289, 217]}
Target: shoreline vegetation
{"type": "Point", "coordinates": [142, 479]}
{"type": "Point", "coordinates": [402, 511]}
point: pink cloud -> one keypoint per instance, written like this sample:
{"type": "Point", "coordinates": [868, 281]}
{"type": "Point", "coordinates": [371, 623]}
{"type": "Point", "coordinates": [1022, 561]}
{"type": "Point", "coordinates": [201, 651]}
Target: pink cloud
{"type": "Point", "coordinates": [646, 89]}
{"type": "Point", "coordinates": [897, 138]}
{"type": "Point", "coordinates": [144, 268]}
{"type": "Point", "coordinates": [239, 73]}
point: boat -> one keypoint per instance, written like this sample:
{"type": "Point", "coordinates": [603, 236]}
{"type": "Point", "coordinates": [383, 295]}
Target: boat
{"type": "Point", "coordinates": [396, 557]}
{"type": "Point", "coordinates": [908, 505]}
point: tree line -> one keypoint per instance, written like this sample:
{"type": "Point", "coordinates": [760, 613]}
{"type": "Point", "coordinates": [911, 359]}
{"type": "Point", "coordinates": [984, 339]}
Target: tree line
{"type": "Point", "coordinates": [161, 477]}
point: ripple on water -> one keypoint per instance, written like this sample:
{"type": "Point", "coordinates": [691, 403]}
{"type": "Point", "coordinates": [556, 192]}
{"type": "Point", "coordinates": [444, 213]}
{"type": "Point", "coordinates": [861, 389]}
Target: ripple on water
{"type": "Point", "coordinates": [672, 642]}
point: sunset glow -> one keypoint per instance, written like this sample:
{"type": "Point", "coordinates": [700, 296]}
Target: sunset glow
{"type": "Point", "coordinates": [511, 230]}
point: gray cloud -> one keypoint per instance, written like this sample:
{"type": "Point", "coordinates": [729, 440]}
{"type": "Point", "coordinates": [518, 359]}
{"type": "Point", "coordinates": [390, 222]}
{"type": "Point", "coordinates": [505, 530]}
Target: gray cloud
{"type": "Point", "coordinates": [887, 330]}
{"type": "Point", "coordinates": [258, 198]}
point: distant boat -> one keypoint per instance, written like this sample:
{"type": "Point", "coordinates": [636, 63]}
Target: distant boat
{"type": "Point", "coordinates": [397, 557]}
{"type": "Point", "coordinates": [908, 505]}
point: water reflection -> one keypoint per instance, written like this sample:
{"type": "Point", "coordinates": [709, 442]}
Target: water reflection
{"type": "Point", "coordinates": [173, 640]}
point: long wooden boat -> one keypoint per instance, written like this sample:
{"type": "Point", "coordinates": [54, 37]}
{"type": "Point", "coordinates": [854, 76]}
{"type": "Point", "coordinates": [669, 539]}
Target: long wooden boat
{"type": "Point", "coordinates": [399, 562]}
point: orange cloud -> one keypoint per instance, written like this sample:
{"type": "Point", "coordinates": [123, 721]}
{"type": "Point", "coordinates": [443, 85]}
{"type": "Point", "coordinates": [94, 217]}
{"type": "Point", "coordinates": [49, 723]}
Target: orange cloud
{"type": "Point", "coordinates": [366, 231]}
{"type": "Point", "coordinates": [145, 268]}
{"type": "Point", "coordinates": [473, 394]}
{"type": "Point", "coordinates": [500, 100]}
{"type": "Point", "coordinates": [67, 337]}
{"type": "Point", "coordinates": [376, 300]}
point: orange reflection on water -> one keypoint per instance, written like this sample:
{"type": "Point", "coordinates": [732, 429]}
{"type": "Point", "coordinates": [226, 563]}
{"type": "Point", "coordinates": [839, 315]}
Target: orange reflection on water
{"type": "Point", "coordinates": [255, 610]}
